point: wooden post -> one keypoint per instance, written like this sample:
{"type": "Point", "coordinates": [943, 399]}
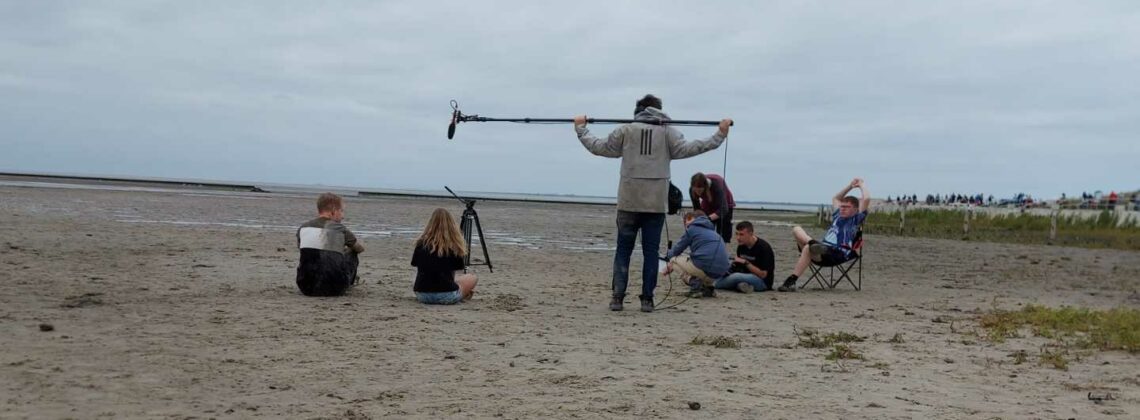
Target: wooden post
{"type": "Point", "coordinates": [966, 226]}
{"type": "Point", "coordinates": [902, 219]}
{"type": "Point", "coordinates": [1053, 226]}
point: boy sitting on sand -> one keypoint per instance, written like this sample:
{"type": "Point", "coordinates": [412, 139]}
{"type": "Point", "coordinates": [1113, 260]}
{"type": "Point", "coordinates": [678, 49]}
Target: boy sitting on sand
{"type": "Point", "coordinates": [707, 261]}
{"type": "Point", "coordinates": [328, 251]}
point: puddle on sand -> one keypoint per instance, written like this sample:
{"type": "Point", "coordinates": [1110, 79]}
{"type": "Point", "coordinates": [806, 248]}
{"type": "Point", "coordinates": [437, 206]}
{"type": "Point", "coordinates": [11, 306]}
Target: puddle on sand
{"type": "Point", "coordinates": [223, 224]}
{"type": "Point", "coordinates": [532, 242]}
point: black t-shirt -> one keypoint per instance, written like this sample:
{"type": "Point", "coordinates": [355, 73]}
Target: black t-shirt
{"type": "Point", "coordinates": [760, 255]}
{"type": "Point", "coordinates": [435, 273]}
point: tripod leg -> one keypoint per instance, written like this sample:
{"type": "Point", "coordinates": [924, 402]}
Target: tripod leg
{"type": "Point", "coordinates": [465, 226]}
{"type": "Point", "coordinates": [482, 241]}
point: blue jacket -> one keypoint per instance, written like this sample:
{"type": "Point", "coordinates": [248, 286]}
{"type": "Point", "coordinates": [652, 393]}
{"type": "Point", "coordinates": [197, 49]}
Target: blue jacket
{"type": "Point", "coordinates": [706, 248]}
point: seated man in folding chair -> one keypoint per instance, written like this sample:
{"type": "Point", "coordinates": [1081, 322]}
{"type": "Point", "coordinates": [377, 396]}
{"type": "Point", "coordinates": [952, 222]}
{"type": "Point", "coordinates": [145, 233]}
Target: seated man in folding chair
{"type": "Point", "coordinates": [836, 247]}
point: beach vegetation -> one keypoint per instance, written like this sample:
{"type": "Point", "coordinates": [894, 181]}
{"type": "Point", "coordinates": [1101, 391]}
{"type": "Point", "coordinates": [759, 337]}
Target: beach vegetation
{"type": "Point", "coordinates": [1107, 229]}
{"type": "Point", "coordinates": [1019, 357]}
{"type": "Point", "coordinates": [1070, 327]}
{"type": "Point", "coordinates": [720, 341]}
{"type": "Point", "coordinates": [813, 339]}
{"type": "Point", "coordinates": [1053, 358]}
{"type": "Point", "coordinates": [843, 352]}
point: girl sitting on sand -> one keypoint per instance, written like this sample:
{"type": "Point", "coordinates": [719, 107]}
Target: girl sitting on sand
{"type": "Point", "coordinates": [438, 258]}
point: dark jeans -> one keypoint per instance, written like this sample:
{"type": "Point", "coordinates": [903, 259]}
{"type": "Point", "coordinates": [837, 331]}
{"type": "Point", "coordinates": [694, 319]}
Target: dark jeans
{"type": "Point", "coordinates": [628, 224]}
{"type": "Point", "coordinates": [724, 226]}
{"type": "Point", "coordinates": [326, 273]}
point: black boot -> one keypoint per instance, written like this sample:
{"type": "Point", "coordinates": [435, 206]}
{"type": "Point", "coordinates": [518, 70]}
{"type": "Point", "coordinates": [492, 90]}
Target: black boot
{"type": "Point", "coordinates": [789, 284]}
{"type": "Point", "coordinates": [708, 291]}
{"type": "Point", "coordinates": [616, 304]}
{"type": "Point", "coordinates": [646, 303]}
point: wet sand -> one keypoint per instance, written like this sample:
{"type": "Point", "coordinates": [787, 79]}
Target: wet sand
{"type": "Point", "coordinates": [180, 304]}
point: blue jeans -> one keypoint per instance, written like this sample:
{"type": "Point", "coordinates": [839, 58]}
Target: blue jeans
{"type": "Point", "coordinates": [729, 282]}
{"type": "Point", "coordinates": [439, 298]}
{"type": "Point", "coordinates": [628, 224]}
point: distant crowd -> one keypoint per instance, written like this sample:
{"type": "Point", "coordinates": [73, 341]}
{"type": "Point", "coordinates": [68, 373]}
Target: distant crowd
{"type": "Point", "coordinates": [1096, 200]}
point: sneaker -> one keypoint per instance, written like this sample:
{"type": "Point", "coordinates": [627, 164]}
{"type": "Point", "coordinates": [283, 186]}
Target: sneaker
{"type": "Point", "coordinates": [616, 304]}
{"type": "Point", "coordinates": [646, 304]}
{"type": "Point", "coordinates": [744, 288]}
{"type": "Point", "coordinates": [788, 286]}
{"type": "Point", "coordinates": [694, 293]}
{"type": "Point", "coordinates": [708, 291]}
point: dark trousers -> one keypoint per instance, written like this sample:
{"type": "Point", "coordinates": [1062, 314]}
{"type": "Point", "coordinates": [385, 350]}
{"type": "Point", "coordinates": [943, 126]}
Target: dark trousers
{"type": "Point", "coordinates": [628, 225]}
{"type": "Point", "coordinates": [724, 225]}
{"type": "Point", "coordinates": [325, 273]}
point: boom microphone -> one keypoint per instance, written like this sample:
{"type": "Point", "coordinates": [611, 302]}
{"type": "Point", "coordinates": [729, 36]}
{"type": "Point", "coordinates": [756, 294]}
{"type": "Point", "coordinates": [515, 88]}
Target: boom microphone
{"type": "Point", "coordinates": [454, 118]}
{"type": "Point", "coordinates": [459, 117]}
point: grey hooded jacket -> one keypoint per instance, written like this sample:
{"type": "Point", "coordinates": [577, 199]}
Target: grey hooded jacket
{"type": "Point", "coordinates": [646, 150]}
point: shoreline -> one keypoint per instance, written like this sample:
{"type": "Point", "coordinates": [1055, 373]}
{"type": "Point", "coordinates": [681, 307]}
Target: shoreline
{"type": "Point", "coordinates": [270, 188]}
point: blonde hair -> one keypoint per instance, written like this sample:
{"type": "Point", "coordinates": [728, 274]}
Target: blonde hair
{"type": "Point", "coordinates": [441, 235]}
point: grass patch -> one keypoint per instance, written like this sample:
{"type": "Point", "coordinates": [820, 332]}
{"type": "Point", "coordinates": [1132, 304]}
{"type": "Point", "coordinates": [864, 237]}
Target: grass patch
{"type": "Point", "coordinates": [1019, 357]}
{"type": "Point", "coordinates": [1056, 359]}
{"type": "Point", "coordinates": [1105, 230]}
{"type": "Point", "coordinates": [843, 352]}
{"type": "Point", "coordinates": [720, 342]}
{"type": "Point", "coordinates": [1082, 328]}
{"type": "Point", "coordinates": [813, 339]}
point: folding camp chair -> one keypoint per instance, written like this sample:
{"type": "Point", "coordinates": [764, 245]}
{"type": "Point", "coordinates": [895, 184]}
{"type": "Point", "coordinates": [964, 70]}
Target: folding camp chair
{"type": "Point", "coordinates": [845, 269]}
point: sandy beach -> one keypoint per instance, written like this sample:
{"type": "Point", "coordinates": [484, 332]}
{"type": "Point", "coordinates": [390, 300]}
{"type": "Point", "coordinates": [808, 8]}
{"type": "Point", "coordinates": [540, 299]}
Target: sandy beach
{"type": "Point", "coordinates": [182, 304]}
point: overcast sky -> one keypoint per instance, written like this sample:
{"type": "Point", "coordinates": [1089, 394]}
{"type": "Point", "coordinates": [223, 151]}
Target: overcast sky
{"type": "Point", "coordinates": [916, 97]}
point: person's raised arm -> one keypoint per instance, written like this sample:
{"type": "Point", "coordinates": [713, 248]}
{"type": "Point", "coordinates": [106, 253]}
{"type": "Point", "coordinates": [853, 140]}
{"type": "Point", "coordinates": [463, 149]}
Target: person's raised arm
{"type": "Point", "coordinates": [838, 199]}
{"type": "Point", "coordinates": [681, 149]}
{"type": "Point", "coordinates": [611, 147]}
{"type": "Point", "coordinates": [865, 197]}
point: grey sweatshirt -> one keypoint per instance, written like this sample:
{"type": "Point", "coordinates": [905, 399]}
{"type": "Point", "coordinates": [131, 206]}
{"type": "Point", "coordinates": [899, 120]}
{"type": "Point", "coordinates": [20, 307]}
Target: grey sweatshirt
{"type": "Point", "coordinates": [646, 150]}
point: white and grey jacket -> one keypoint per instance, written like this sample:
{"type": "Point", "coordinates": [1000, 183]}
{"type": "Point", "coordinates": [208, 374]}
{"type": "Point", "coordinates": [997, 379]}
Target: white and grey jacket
{"type": "Point", "coordinates": [646, 150]}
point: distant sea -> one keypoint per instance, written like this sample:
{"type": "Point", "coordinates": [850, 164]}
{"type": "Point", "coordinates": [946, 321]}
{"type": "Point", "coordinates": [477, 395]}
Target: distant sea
{"type": "Point", "coordinates": [110, 182]}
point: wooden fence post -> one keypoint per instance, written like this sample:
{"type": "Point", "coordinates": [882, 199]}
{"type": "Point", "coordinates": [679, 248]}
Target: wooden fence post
{"type": "Point", "coordinates": [966, 226]}
{"type": "Point", "coordinates": [902, 219]}
{"type": "Point", "coordinates": [1053, 226]}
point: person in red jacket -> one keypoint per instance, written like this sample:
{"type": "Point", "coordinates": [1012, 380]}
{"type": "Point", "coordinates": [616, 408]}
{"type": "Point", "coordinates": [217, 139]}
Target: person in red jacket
{"type": "Point", "coordinates": [710, 194]}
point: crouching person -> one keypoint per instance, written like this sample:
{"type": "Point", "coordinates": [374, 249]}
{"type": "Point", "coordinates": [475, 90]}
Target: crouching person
{"type": "Point", "coordinates": [328, 251]}
{"type": "Point", "coordinates": [438, 259]}
{"type": "Point", "coordinates": [707, 261]}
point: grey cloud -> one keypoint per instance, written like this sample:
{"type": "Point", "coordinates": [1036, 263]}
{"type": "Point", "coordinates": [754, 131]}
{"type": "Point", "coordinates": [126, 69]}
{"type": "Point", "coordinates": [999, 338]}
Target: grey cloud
{"type": "Point", "coordinates": [915, 96]}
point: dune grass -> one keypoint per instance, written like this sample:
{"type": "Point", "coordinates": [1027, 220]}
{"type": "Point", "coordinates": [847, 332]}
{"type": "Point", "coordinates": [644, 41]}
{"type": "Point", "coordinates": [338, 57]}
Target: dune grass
{"type": "Point", "coordinates": [815, 340]}
{"type": "Point", "coordinates": [1074, 331]}
{"type": "Point", "coordinates": [1082, 328]}
{"type": "Point", "coordinates": [1107, 230]}
{"type": "Point", "coordinates": [720, 342]}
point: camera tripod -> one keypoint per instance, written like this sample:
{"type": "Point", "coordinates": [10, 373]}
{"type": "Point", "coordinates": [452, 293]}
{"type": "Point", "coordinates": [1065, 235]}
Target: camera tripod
{"type": "Point", "coordinates": [467, 220]}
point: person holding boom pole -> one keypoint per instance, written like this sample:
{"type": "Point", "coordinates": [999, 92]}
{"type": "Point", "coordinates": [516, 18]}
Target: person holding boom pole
{"type": "Point", "coordinates": [646, 149]}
